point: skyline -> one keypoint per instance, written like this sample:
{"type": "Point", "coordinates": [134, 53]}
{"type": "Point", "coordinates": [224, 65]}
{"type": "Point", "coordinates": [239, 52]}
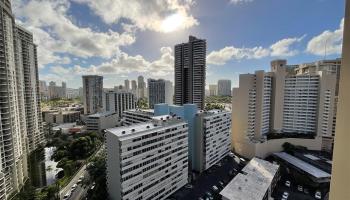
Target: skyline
{"type": "Point", "coordinates": [73, 37]}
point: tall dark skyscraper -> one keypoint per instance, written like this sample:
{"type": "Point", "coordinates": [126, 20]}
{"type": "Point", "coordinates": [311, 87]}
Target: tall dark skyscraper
{"type": "Point", "coordinates": [190, 68]}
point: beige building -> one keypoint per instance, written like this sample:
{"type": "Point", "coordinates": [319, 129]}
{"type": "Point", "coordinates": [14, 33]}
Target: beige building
{"type": "Point", "coordinates": [281, 103]}
{"type": "Point", "coordinates": [213, 90]}
{"type": "Point", "coordinates": [61, 117]}
{"type": "Point", "coordinates": [341, 161]}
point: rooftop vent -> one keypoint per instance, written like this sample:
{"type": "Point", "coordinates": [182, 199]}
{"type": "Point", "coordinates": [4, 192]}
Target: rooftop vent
{"type": "Point", "coordinates": [123, 132]}
{"type": "Point", "coordinates": [132, 130]}
{"type": "Point", "coordinates": [147, 127]}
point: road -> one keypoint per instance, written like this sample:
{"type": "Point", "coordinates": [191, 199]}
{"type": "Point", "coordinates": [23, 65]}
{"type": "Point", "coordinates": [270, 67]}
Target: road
{"type": "Point", "coordinates": [79, 191]}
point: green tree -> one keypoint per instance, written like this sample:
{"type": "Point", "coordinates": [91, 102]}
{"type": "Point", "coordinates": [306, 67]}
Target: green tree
{"type": "Point", "coordinates": [142, 103]}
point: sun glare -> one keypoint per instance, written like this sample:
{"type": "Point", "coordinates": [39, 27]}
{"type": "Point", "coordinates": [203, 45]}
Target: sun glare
{"type": "Point", "coordinates": [172, 22]}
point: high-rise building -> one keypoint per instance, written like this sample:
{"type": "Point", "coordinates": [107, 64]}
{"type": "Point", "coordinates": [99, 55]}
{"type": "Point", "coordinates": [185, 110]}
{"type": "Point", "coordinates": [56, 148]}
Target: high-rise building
{"type": "Point", "coordinates": [213, 90]}
{"type": "Point", "coordinates": [133, 85]}
{"type": "Point", "coordinates": [118, 102]}
{"type": "Point", "coordinates": [212, 138]}
{"type": "Point", "coordinates": [282, 102]}
{"type": "Point", "coordinates": [20, 101]}
{"type": "Point", "coordinates": [160, 91]}
{"type": "Point", "coordinates": [224, 87]}
{"type": "Point", "coordinates": [56, 91]}
{"type": "Point", "coordinates": [44, 91]}
{"type": "Point", "coordinates": [127, 85]}
{"type": "Point", "coordinates": [147, 160]}
{"type": "Point", "coordinates": [141, 87]}
{"type": "Point", "coordinates": [190, 71]}
{"type": "Point", "coordinates": [92, 93]}
{"type": "Point", "coordinates": [29, 63]}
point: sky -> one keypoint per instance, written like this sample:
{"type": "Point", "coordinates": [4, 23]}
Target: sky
{"type": "Point", "coordinates": [122, 39]}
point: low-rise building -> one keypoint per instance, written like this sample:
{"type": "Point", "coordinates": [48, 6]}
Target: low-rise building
{"type": "Point", "coordinates": [213, 138]}
{"type": "Point", "coordinates": [101, 121]}
{"type": "Point", "coordinates": [256, 182]}
{"type": "Point", "coordinates": [147, 160]}
{"type": "Point", "coordinates": [61, 117]}
{"type": "Point", "coordinates": [137, 116]}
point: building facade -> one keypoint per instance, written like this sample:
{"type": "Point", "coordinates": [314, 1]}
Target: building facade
{"type": "Point", "coordinates": [141, 86]}
{"type": "Point", "coordinates": [19, 102]}
{"type": "Point", "coordinates": [213, 90]}
{"type": "Point", "coordinates": [147, 160]}
{"type": "Point", "coordinates": [224, 87]}
{"type": "Point", "coordinates": [213, 138]}
{"type": "Point", "coordinates": [101, 121]}
{"type": "Point", "coordinates": [28, 56]}
{"type": "Point", "coordinates": [190, 72]}
{"type": "Point", "coordinates": [118, 102]}
{"type": "Point", "coordinates": [92, 93]}
{"type": "Point", "coordinates": [160, 91]}
{"type": "Point", "coordinates": [282, 102]}
{"type": "Point", "coordinates": [137, 116]}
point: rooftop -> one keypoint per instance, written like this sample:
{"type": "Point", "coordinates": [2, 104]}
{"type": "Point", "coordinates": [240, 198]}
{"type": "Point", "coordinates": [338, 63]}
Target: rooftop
{"type": "Point", "coordinates": [135, 130]}
{"type": "Point", "coordinates": [253, 183]}
{"type": "Point", "coordinates": [101, 114]}
{"type": "Point", "coordinates": [308, 168]}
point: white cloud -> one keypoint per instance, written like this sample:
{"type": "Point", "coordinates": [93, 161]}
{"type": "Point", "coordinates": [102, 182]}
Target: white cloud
{"type": "Point", "coordinates": [154, 15]}
{"type": "Point", "coordinates": [123, 64]}
{"type": "Point", "coordinates": [331, 41]}
{"type": "Point", "coordinates": [280, 48]}
{"type": "Point", "coordinates": [240, 1]}
{"type": "Point", "coordinates": [54, 32]}
{"type": "Point", "coordinates": [283, 47]}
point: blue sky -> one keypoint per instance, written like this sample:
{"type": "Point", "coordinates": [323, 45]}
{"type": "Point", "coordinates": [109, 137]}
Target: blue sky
{"type": "Point", "coordinates": [122, 39]}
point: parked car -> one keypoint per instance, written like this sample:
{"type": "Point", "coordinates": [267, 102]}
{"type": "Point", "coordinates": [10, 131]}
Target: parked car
{"type": "Point", "coordinates": [306, 191]}
{"type": "Point", "coordinates": [285, 195]}
{"type": "Point", "coordinates": [318, 195]}
{"type": "Point", "coordinates": [188, 186]}
{"type": "Point", "coordinates": [300, 188]}
{"type": "Point", "coordinates": [215, 188]}
{"type": "Point", "coordinates": [221, 184]}
{"type": "Point", "coordinates": [67, 195]}
{"type": "Point", "coordinates": [287, 183]}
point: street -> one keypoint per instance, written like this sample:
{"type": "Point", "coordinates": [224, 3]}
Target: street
{"type": "Point", "coordinates": [79, 192]}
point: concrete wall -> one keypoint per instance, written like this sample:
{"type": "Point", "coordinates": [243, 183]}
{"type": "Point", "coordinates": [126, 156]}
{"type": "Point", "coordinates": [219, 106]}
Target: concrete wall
{"type": "Point", "coordinates": [341, 161]}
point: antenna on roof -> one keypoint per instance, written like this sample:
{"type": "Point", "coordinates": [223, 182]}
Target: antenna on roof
{"type": "Point", "coordinates": [325, 49]}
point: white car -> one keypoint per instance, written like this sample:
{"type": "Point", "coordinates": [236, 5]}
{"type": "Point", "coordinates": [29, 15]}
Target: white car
{"type": "Point", "coordinates": [318, 195]}
{"type": "Point", "coordinates": [67, 195]}
{"type": "Point", "coordinates": [287, 183]}
{"type": "Point", "coordinates": [285, 195]}
{"type": "Point", "coordinates": [74, 187]}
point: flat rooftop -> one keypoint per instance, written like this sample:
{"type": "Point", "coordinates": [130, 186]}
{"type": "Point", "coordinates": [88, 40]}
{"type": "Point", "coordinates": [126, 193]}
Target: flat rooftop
{"type": "Point", "coordinates": [252, 183]}
{"type": "Point", "coordinates": [127, 132]}
{"type": "Point", "coordinates": [302, 165]}
{"type": "Point", "coordinates": [101, 114]}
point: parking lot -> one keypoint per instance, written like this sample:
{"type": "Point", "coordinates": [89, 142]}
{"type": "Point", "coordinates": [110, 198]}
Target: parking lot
{"type": "Point", "coordinates": [218, 175]}
{"type": "Point", "coordinates": [295, 193]}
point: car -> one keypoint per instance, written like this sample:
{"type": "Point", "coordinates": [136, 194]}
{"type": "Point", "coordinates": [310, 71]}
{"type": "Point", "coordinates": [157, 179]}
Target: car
{"type": "Point", "coordinates": [215, 188]}
{"type": "Point", "coordinates": [74, 187]}
{"type": "Point", "coordinates": [318, 195]}
{"type": "Point", "coordinates": [285, 195]}
{"type": "Point", "coordinates": [221, 183]}
{"type": "Point", "coordinates": [300, 188]}
{"type": "Point", "coordinates": [67, 195]}
{"type": "Point", "coordinates": [188, 186]}
{"type": "Point", "coordinates": [209, 194]}
{"type": "Point", "coordinates": [287, 183]}
{"type": "Point", "coordinates": [200, 198]}
{"type": "Point", "coordinates": [306, 191]}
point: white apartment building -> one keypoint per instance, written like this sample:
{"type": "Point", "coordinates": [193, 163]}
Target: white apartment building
{"type": "Point", "coordinates": [282, 102]}
{"type": "Point", "coordinates": [118, 101]}
{"type": "Point", "coordinates": [92, 93]}
{"type": "Point", "coordinates": [56, 91]}
{"type": "Point", "coordinates": [101, 121]}
{"type": "Point", "coordinates": [212, 138]}
{"type": "Point", "coordinates": [147, 161]}
{"type": "Point", "coordinates": [135, 116]}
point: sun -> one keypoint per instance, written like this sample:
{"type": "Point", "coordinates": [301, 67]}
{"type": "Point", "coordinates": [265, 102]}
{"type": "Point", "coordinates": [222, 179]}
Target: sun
{"type": "Point", "coordinates": [172, 23]}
